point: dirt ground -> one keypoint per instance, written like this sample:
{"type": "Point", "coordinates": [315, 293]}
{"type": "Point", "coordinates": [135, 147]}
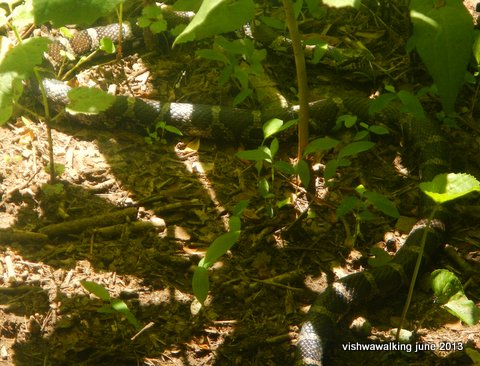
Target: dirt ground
{"type": "Point", "coordinates": [142, 216]}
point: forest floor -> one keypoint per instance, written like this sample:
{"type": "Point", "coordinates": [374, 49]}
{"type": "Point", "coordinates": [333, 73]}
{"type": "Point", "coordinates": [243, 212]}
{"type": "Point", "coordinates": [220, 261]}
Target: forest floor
{"type": "Point", "coordinates": [171, 201]}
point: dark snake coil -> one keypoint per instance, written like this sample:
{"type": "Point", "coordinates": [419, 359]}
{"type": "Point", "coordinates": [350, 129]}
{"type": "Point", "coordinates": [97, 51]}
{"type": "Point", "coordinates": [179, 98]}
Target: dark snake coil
{"type": "Point", "coordinates": [232, 124]}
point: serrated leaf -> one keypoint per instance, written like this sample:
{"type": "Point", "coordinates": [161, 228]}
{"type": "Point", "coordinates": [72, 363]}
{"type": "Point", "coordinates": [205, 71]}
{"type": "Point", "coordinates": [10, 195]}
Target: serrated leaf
{"type": "Point", "coordinates": [200, 284]}
{"type": "Point", "coordinates": [89, 101]}
{"type": "Point", "coordinates": [447, 187]}
{"type": "Point", "coordinates": [96, 289]}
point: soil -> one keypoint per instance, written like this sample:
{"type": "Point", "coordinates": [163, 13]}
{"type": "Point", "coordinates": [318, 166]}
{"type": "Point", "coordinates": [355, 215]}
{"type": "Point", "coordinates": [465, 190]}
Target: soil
{"type": "Point", "coordinates": [136, 218]}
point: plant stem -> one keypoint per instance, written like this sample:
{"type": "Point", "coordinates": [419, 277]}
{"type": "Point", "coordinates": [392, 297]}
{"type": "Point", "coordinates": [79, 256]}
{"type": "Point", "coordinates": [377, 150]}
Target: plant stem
{"type": "Point", "coordinates": [423, 240]}
{"type": "Point", "coordinates": [301, 77]}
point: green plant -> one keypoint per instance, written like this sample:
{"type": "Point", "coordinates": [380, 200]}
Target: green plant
{"type": "Point", "coordinates": [443, 37]}
{"type": "Point", "coordinates": [111, 306]}
{"type": "Point", "coordinates": [265, 155]}
{"type": "Point", "coordinates": [240, 59]}
{"type": "Point", "coordinates": [200, 280]}
{"type": "Point", "coordinates": [442, 189]}
{"type": "Point", "coordinates": [360, 208]}
{"type": "Point", "coordinates": [152, 18]}
{"type": "Point", "coordinates": [162, 126]}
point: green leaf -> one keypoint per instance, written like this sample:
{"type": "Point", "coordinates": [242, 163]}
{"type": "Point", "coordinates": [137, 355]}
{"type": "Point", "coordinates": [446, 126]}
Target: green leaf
{"type": "Point", "coordinates": [449, 290]}
{"type": "Point", "coordinates": [447, 187]}
{"type": "Point", "coordinates": [274, 148]}
{"type": "Point", "coordinates": [61, 12]}
{"type": "Point", "coordinates": [284, 167]}
{"type": "Point", "coordinates": [234, 223]}
{"type": "Point", "coordinates": [379, 130]}
{"type": "Point", "coordinates": [106, 45]}
{"type": "Point", "coordinates": [355, 148]}
{"type": "Point", "coordinates": [240, 97]}
{"type": "Point", "coordinates": [213, 55]}
{"type": "Point", "coordinates": [200, 284]}
{"type": "Point", "coordinates": [121, 307]}
{"type": "Point", "coordinates": [173, 129]}
{"type": "Point", "coordinates": [271, 127]}
{"type": "Point", "coordinates": [264, 187]}
{"type": "Point", "coordinates": [330, 169]}
{"type": "Point", "coordinates": [240, 207]}
{"type": "Point", "coordinates": [17, 65]}
{"type": "Point", "coordinates": [89, 100]}
{"type": "Point", "coordinates": [216, 17]}
{"type": "Point", "coordinates": [348, 120]}
{"type": "Point", "coordinates": [220, 246]}
{"type": "Point", "coordinates": [255, 155]}
{"type": "Point", "coordinates": [96, 289]}
{"type": "Point", "coordinates": [411, 104]}
{"type": "Point", "coordinates": [347, 205]}
{"type": "Point", "coordinates": [320, 144]}
{"type": "Point", "coordinates": [443, 37]}
{"type": "Point", "coordinates": [303, 171]}
{"type": "Point", "coordinates": [382, 203]}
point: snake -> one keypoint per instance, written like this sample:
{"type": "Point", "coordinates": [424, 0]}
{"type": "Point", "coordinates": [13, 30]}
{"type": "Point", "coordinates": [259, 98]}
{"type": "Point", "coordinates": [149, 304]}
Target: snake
{"type": "Point", "coordinates": [235, 124]}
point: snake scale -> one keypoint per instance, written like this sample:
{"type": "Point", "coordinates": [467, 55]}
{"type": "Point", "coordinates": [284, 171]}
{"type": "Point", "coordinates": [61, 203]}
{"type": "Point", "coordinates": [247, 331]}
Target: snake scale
{"type": "Point", "coordinates": [223, 123]}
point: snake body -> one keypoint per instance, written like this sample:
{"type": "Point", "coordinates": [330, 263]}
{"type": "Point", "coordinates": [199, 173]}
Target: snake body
{"type": "Point", "coordinates": [223, 123]}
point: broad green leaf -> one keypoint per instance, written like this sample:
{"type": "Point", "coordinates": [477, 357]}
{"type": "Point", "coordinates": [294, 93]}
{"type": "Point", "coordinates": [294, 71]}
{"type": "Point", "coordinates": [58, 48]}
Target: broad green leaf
{"type": "Point", "coordinates": [464, 309]}
{"type": "Point", "coordinates": [216, 17]}
{"type": "Point", "coordinates": [303, 171]}
{"type": "Point", "coordinates": [17, 65]}
{"type": "Point", "coordinates": [443, 37]}
{"type": "Point", "coordinates": [445, 285]}
{"type": "Point", "coordinates": [271, 127]}
{"type": "Point", "coordinates": [89, 101]}
{"type": "Point", "coordinates": [61, 12]}
{"type": "Point", "coordinates": [355, 148]}
{"type": "Point", "coordinates": [447, 187]}
{"type": "Point", "coordinates": [220, 246]}
{"type": "Point", "coordinates": [287, 125]}
{"type": "Point", "coordinates": [255, 155]}
{"type": "Point", "coordinates": [382, 203]}
{"type": "Point", "coordinates": [473, 354]}
{"type": "Point", "coordinates": [379, 130]}
{"type": "Point", "coordinates": [106, 45]}
{"type": "Point", "coordinates": [476, 46]}
{"type": "Point", "coordinates": [274, 147]}
{"type": "Point", "coordinates": [348, 120]}
{"type": "Point", "coordinates": [240, 97]}
{"type": "Point", "coordinates": [96, 289]}
{"type": "Point", "coordinates": [200, 284]}
{"type": "Point", "coordinates": [320, 144]}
